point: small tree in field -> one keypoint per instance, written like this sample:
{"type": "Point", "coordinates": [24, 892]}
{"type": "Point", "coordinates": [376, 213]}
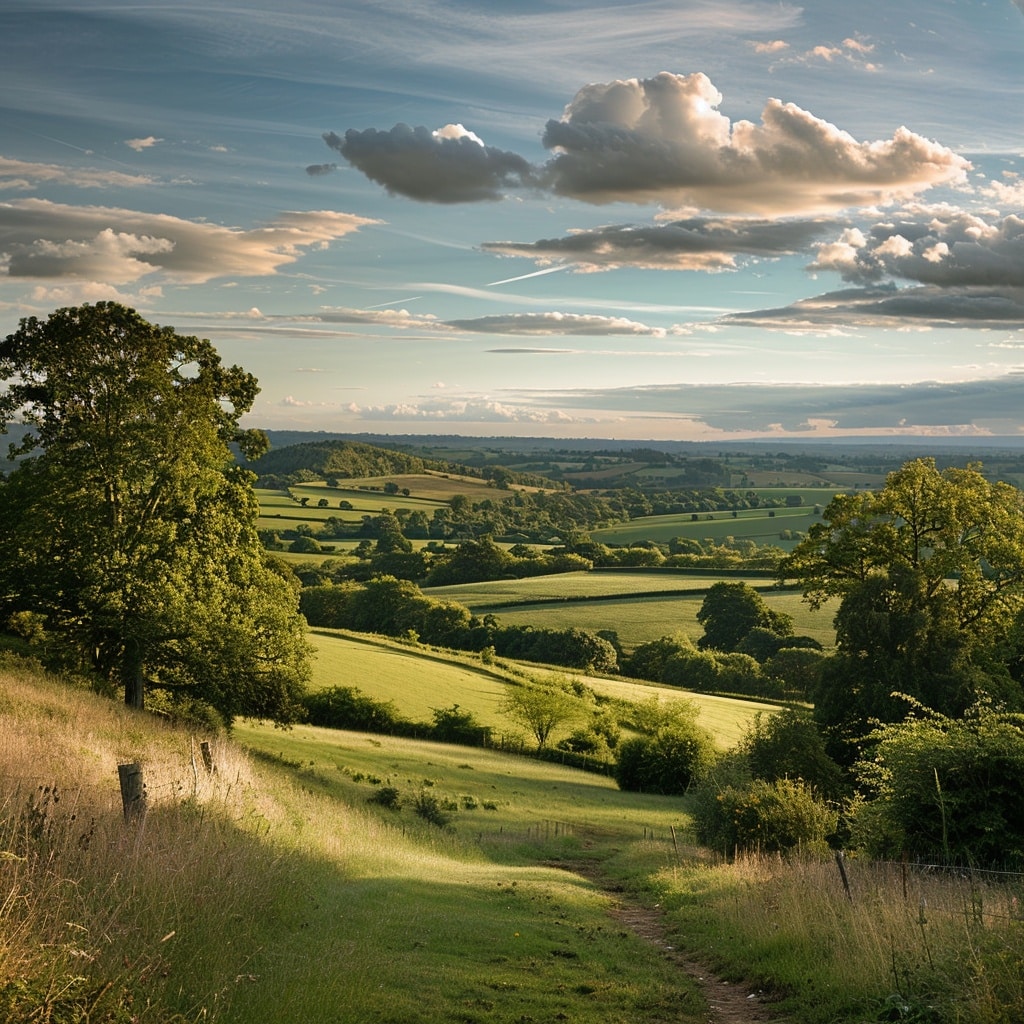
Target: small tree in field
{"type": "Point", "coordinates": [125, 524]}
{"type": "Point", "coordinates": [541, 709]}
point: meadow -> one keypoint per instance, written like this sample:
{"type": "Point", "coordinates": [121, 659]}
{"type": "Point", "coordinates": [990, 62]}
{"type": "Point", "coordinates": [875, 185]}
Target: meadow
{"type": "Point", "coordinates": [282, 888]}
{"type": "Point", "coordinates": [762, 526]}
{"type": "Point", "coordinates": [598, 600]}
{"type": "Point", "coordinates": [418, 681]}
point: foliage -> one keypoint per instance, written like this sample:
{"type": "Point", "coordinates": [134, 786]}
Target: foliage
{"type": "Point", "coordinates": [393, 607]}
{"type": "Point", "coordinates": [929, 572]}
{"type": "Point", "coordinates": [787, 744]}
{"type": "Point", "coordinates": [122, 525]}
{"type": "Point", "coordinates": [541, 708]}
{"type": "Point", "coordinates": [346, 707]}
{"type": "Point", "coordinates": [946, 789]}
{"type": "Point", "coordinates": [667, 762]}
{"type": "Point", "coordinates": [454, 726]}
{"type": "Point", "coordinates": [764, 816]}
{"type": "Point", "coordinates": [731, 611]}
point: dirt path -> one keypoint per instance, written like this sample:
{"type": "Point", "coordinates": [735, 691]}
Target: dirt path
{"type": "Point", "coordinates": [727, 1003]}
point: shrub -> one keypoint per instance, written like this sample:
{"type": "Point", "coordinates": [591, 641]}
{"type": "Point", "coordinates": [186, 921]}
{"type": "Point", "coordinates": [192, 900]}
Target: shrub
{"type": "Point", "coordinates": [667, 762]}
{"type": "Point", "coordinates": [945, 788]}
{"type": "Point", "coordinates": [430, 808]}
{"type": "Point", "coordinates": [764, 816]}
{"type": "Point", "coordinates": [787, 744]}
{"type": "Point", "coordinates": [347, 707]}
{"type": "Point", "coordinates": [386, 796]}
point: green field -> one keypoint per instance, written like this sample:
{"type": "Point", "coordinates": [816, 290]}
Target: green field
{"type": "Point", "coordinates": [418, 681]}
{"type": "Point", "coordinates": [597, 583]}
{"type": "Point", "coordinates": [588, 600]}
{"type": "Point", "coordinates": [750, 524]}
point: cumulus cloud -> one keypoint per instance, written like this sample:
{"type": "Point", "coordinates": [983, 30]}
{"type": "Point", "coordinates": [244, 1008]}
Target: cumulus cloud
{"type": "Point", "coordinates": [140, 144]}
{"type": "Point", "coordinates": [663, 140]}
{"type": "Point", "coordinates": [693, 244]}
{"type": "Point", "coordinates": [45, 240]}
{"type": "Point", "coordinates": [451, 165]}
{"type": "Point", "coordinates": [26, 176]}
{"type": "Point", "coordinates": [951, 249]}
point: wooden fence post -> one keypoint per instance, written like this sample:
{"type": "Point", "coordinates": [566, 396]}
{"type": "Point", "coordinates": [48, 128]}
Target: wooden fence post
{"type": "Point", "coordinates": [133, 790]}
{"type": "Point", "coordinates": [841, 863]}
{"type": "Point", "coordinates": [204, 749]}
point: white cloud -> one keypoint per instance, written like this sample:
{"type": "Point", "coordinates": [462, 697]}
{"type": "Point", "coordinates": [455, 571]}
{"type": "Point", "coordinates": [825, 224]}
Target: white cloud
{"type": "Point", "coordinates": [140, 144]}
{"type": "Point", "coordinates": [25, 176]}
{"type": "Point", "coordinates": [663, 140]}
{"type": "Point", "coordinates": [114, 246]}
{"type": "Point", "coordinates": [558, 324]}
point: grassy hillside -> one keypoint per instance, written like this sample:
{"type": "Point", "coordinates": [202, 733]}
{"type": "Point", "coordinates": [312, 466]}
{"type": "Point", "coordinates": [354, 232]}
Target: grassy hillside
{"type": "Point", "coordinates": [226, 900]}
{"type": "Point", "coordinates": [417, 681]}
{"type": "Point", "coordinates": [275, 890]}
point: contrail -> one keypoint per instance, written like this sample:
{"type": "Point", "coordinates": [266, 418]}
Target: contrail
{"type": "Point", "coordinates": [523, 277]}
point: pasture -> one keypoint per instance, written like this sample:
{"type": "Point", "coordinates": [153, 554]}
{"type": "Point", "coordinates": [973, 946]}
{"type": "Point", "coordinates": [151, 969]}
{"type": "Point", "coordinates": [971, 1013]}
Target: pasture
{"type": "Point", "coordinates": [756, 525]}
{"type": "Point", "coordinates": [418, 680]}
{"type": "Point", "coordinates": [624, 602]}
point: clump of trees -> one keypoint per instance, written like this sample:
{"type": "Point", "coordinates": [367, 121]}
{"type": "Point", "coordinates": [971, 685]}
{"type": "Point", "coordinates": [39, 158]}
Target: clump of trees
{"type": "Point", "coordinates": [928, 573]}
{"type": "Point", "coordinates": [126, 530]}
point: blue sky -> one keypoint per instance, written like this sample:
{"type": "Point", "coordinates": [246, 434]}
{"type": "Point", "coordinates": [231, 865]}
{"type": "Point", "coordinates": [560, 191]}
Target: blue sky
{"type": "Point", "coordinates": [680, 219]}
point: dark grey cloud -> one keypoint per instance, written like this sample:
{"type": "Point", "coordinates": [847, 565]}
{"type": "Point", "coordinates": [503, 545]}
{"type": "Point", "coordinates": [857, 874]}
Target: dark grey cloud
{"type": "Point", "coordinates": [693, 244]}
{"type": "Point", "coordinates": [948, 249]}
{"type": "Point", "coordinates": [886, 305]}
{"type": "Point", "coordinates": [319, 170]}
{"type": "Point", "coordinates": [450, 165]}
{"type": "Point", "coordinates": [983, 406]}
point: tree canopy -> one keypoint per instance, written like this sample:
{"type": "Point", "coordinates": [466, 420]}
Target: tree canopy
{"type": "Point", "coordinates": [125, 525]}
{"type": "Point", "coordinates": [929, 573]}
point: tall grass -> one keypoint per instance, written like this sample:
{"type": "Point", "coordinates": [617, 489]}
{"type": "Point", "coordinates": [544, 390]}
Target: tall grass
{"type": "Point", "coordinates": [907, 944]}
{"type": "Point", "coordinates": [274, 891]}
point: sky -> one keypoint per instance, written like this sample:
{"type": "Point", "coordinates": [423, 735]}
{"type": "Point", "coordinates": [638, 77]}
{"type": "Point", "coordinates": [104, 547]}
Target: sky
{"type": "Point", "coordinates": [670, 219]}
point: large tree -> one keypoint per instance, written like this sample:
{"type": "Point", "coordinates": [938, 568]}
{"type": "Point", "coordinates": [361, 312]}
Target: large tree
{"type": "Point", "coordinates": [929, 573]}
{"type": "Point", "coordinates": [125, 524]}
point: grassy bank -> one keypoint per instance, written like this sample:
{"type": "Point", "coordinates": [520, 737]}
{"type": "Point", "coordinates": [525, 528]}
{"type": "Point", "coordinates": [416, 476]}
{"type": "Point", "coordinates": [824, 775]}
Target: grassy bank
{"type": "Point", "coordinates": [332, 876]}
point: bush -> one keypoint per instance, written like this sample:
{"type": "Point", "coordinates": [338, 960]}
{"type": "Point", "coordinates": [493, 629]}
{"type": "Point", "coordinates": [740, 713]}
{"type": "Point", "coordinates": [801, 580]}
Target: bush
{"type": "Point", "coordinates": [667, 762]}
{"type": "Point", "coordinates": [787, 744]}
{"type": "Point", "coordinates": [764, 816]}
{"type": "Point", "coordinates": [947, 789]}
{"type": "Point", "coordinates": [430, 808]}
{"type": "Point", "coordinates": [346, 707]}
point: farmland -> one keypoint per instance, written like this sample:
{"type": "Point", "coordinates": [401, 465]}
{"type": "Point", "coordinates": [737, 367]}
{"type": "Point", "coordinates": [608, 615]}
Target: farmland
{"type": "Point", "coordinates": [419, 681]}
{"type": "Point", "coordinates": [627, 603]}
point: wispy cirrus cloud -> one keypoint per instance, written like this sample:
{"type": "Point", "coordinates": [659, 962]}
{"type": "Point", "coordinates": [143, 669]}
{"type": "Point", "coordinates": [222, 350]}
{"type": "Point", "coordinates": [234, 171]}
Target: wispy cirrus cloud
{"type": "Point", "coordinates": [554, 323]}
{"type": "Point", "coordinates": [663, 140]}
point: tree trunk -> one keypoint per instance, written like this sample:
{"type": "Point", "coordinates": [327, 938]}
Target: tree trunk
{"type": "Point", "coordinates": [132, 675]}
